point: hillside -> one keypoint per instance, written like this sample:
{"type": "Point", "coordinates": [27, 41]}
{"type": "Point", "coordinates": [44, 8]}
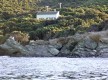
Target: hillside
{"type": "Point", "coordinates": [78, 17]}
{"type": "Point", "coordinates": [10, 8]}
{"type": "Point", "coordinates": [72, 3]}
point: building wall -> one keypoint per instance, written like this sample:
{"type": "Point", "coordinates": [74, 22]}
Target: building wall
{"type": "Point", "coordinates": [55, 16]}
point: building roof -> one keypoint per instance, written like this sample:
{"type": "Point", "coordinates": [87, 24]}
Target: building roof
{"type": "Point", "coordinates": [47, 13]}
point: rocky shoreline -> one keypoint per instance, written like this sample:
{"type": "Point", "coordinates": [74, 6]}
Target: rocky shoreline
{"type": "Point", "coordinates": [92, 44]}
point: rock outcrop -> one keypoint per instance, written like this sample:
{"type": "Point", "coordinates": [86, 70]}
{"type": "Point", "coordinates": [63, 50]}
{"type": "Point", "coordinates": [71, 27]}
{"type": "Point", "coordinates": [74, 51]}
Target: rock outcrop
{"type": "Point", "coordinates": [34, 49]}
{"type": "Point", "coordinates": [12, 48]}
{"type": "Point", "coordinates": [85, 48]}
{"type": "Point", "coordinates": [93, 44]}
{"type": "Point", "coordinates": [41, 48]}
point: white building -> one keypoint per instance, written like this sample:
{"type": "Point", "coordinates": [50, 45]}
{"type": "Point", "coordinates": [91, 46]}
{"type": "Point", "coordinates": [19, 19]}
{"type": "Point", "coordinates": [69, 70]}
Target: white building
{"type": "Point", "coordinates": [48, 15]}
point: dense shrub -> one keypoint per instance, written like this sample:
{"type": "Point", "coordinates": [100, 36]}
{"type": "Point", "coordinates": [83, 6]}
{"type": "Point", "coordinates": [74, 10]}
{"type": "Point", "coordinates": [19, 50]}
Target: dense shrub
{"type": "Point", "coordinates": [73, 20]}
{"type": "Point", "coordinates": [20, 36]}
{"type": "Point", "coordinates": [95, 37]}
{"type": "Point", "coordinates": [3, 38]}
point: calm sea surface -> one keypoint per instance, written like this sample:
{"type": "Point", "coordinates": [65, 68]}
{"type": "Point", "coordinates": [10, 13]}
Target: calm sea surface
{"type": "Point", "coordinates": [53, 68]}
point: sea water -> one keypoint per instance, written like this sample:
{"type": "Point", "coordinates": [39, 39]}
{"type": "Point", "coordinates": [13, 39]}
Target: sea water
{"type": "Point", "coordinates": [35, 68]}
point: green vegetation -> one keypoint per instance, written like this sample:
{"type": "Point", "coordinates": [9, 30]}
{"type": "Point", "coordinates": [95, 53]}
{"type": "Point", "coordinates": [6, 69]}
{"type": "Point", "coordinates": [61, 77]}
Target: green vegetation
{"type": "Point", "coordinates": [10, 8]}
{"type": "Point", "coordinates": [72, 3]}
{"type": "Point", "coordinates": [19, 15]}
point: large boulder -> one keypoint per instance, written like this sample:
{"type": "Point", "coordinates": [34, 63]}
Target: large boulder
{"type": "Point", "coordinates": [95, 44]}
{"type": "Point", "coordinates": [68, 47]}
{"type": "Point", "coordinates": [102, 50]}
{"type": "Point", "coordinates": [70, 44]}
{"type": "Point", "coordinates": [85, 48]}
{"type": "Point", "coordinates": [38, 48]}
{"type": "Point", "coordinates": [56, 43]}
{"type": "Point", "coordinates": [41, 50]}
{"type": "Point", "coordinates": [12, 48]}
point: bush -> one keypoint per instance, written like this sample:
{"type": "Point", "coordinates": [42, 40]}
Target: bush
{"type": "Point", "coordinates": [6, 15]}
{"type": "Point", "coordinates": [20, 36]}
{"type": "Point", "coordinates": [95, 37]}
{"type": "Point", "coordinates": [3, 38]}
